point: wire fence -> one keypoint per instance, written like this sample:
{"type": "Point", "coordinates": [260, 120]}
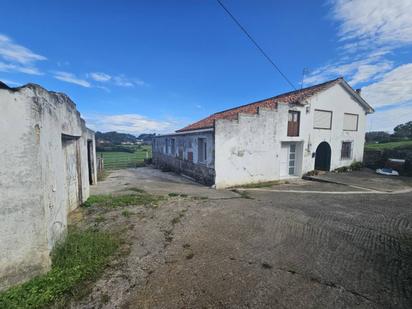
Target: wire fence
{"type": "Point", "coordinates": [120, 160]}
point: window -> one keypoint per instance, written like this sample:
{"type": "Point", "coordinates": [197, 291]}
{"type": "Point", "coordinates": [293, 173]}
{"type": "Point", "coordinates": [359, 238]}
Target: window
{"type": "Point", "coordinates": [346, 152]}
{"type": "Point", "coordinates": [322, 119]}
{"type": "Point", "coordinates": [166, 146]}
{"type": "Point", "coordinates": [292, 159]}
{"type": "Point", "coordinates": [173, 146]}
{"type": "Point", "coordinates": [293, 123]}
{"type": "Point", "coordinates": [350, 122]}
{"type": "Point", "coordinates": [201, 150]}
{"type": "Point", "coordinates": [190, 156]}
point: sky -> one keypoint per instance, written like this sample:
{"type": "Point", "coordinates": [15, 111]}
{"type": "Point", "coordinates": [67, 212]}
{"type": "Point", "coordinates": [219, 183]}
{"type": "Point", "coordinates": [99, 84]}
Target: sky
{"type": "Point", "coordinates": [156, 66]}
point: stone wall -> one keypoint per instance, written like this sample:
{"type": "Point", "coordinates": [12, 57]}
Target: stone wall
{"type": "Point", "coordinates": [46, 151]}
{"type": "Point", "coordinates": [378, 158]}
{"type": "Point", "coordinates": [201, 173]}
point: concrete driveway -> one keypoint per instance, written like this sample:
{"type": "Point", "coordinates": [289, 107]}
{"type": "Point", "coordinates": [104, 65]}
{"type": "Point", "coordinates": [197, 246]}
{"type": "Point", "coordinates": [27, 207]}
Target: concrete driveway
{"type": "Point", "coordinates": [367, 179]}
{"type": "Point", "coordinates": [265, 249]}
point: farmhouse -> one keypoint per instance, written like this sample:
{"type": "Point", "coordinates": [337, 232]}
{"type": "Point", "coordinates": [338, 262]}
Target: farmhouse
{"type": "Point", "coordinates": [47, 165]}
{"type": "Point", "coordinates": [321, 127]}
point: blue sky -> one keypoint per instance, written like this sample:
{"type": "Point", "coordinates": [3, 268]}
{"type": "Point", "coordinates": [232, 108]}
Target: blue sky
{"type": "Point", "coordinates": [155, 66]}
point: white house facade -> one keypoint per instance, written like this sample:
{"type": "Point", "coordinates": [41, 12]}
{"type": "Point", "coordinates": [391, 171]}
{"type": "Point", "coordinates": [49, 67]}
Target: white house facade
{"type": "Point", "coordinates": [320, 127]}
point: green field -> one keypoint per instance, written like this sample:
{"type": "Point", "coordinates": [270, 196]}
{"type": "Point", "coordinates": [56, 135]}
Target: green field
{"type": "Point", "coordinates": [390, 145]}
{"type": "Point", "coordinates": [119, 160]}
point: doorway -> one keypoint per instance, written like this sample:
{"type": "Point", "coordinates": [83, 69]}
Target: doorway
{"type": "Point", "coordinates": [322, 158]}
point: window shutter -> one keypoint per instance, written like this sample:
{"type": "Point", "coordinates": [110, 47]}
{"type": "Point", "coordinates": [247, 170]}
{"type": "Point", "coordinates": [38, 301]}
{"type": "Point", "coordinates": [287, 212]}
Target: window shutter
{"type": "Point", "coordinates": [322, 119]}
{"type": "Point", "coordinates": [350, 122]}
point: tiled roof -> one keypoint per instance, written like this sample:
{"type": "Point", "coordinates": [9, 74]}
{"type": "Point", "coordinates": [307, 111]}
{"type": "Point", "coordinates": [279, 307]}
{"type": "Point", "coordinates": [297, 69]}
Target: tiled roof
{"type": "Point", "coordinates": [251, 108]}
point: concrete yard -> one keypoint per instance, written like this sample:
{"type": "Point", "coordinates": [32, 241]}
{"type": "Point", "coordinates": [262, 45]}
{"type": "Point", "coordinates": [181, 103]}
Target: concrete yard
{"type": "Point", "coordinates": [257, 248]}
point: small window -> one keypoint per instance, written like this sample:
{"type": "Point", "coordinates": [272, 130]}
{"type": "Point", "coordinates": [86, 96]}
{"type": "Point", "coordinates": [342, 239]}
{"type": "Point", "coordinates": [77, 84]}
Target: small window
{"type": "Point", "coordinates": [293, 123]}
{"type": "Point", "coordinates": [201, 150]}
{"type": "Point", "coordinates": [166, 146]}
{"type": "Point", "coordinates": [322, 119]}
{"type": "Point", "coordinates": [173, 146]}
{"type": "Point", "coordinates": [346, 152]}
{"type": "Point", "coordinates": [350, 122]}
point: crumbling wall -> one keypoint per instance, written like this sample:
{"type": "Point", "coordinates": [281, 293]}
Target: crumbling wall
{"type": "Point", "coordinates": [247, 149]}
{"type": "Point", "coordinates": [34, 195]}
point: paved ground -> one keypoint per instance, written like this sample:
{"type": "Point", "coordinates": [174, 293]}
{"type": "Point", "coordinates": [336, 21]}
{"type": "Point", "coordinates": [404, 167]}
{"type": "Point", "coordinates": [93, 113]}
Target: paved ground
{"type": "Point", "coordinates": [368, 179]}
{"type": "Point", "coordinates": [263, 250]}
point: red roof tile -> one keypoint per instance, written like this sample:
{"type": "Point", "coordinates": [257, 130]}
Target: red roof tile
{"type": "Point", "coordinates": [251, 108]}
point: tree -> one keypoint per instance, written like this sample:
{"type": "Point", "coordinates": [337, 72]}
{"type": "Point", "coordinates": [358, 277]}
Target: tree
{"type": "Point", "coordinates": [377, 136]}
{"type": "Point", "coordinates": [403, 130]}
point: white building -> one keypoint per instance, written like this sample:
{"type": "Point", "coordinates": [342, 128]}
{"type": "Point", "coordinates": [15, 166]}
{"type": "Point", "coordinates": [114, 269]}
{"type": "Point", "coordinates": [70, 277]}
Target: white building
{"type": "Point", "coordinates": [320, 127]}
{"type": "Point", "coordinates": [48, 162]}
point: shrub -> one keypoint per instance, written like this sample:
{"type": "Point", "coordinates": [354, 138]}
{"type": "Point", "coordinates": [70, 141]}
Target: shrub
{"type": "Point", "coordinates": [356, 166]}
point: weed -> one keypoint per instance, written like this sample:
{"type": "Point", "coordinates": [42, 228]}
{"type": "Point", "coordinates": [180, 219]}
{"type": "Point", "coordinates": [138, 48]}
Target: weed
{"type": "Point", "coordinates": [105, 298]}
{"type": "Point", "coordinates": [79, 259]}
{"type": "Point", "coordinates": [113, 201]}
{"type": "Point", "coordinates": [190, 255]}
{"type": "Point", "coordinates": [126, 213]}
{"type": "Point", "coordinates": [265, 184]}
{"type": "Point", "coordinates": [200, 197]}
{"type": "Point", "coordinates": [186, 246]}
{"type": "Point", "coordinates": [243, 194]}
{"type": "Point", "coordinates": [173, 194]}
{"type": "Point", "coordinates": [356, 166]}
{"type": "Point", "coordinates": [175, 220]}
{"type": "Point", "coordinates": [99, 219]}
{"type": "Point", "coordinates": [135, 190]}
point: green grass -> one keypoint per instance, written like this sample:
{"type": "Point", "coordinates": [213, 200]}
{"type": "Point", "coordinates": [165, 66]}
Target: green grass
{"type": "Point", "coordinates": [390, 145]}
{"type": "Point", "coordinates": [113, 201]}
{"type": "Point", "coordinates": [78, 260]}
{"type": "Point", "coordinates": [119, 160]}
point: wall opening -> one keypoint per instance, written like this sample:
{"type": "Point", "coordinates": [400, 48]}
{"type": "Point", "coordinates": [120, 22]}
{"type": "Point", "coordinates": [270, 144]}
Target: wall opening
{"type": "Point", "coordinates": [322, 158]}
{"type": "Point", "coordinates": [71, 150]}
{"type": "Point", "coordinates": [90, 159]}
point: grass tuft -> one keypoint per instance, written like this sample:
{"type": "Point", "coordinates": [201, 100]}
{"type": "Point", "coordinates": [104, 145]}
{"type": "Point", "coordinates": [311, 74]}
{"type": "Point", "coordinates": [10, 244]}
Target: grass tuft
{"type": "Point", "coordinates": [112, 201]}
{"type": "Point", "coordinates": [79, 259]}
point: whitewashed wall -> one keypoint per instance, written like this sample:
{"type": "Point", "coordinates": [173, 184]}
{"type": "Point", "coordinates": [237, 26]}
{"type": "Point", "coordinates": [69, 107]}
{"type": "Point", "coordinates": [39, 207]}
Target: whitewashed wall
{"type": "Point", "coordinates": [339, 101]}
{"type": "Point", "coordinates": [33, 183]}
{"type": "Point", "coordinates": [252, 148]}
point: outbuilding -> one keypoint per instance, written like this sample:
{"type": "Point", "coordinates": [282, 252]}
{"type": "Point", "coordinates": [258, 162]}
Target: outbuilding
{"type": "Point", "coordinates": [47, 165]}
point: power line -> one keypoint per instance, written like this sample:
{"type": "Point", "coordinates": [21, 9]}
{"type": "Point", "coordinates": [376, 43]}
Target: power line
{"type": "Point", "coordinates": [256, 44]}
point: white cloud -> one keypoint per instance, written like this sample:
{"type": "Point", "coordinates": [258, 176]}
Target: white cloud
{"type": "Point", "coordinates": [100, 77]}
{"type": "Point", "coordinates": [130, 123]}
{"type": "Point", "coordinates": [395, 87]}
{"type": "Point", "coordinates": [13, 52]}
{"type": "Point", "coordinates": [71, 78]}
{"type": "Point", "coordinates": [369, 32]}
{"type": "Point", "coordinates": [122, 81]}
{"type": "Point", "coordinates": [10, 67]}
{"type": "Point", "coordinates": [17, 58]}
{"type": "Point", "coordinates": [368, 72]}
{"type": "Point", "coordinates": [386, 120]}
{"type": "Point", "coordinates": [376, 22]}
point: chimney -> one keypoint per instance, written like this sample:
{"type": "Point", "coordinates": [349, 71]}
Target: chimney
{"type": "Point", "coordinates": [358, 91]}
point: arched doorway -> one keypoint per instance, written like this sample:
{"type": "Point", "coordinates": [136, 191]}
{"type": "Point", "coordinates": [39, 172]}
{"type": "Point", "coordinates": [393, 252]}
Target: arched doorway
{"type": "Point", "coordinates": [322, 159]}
